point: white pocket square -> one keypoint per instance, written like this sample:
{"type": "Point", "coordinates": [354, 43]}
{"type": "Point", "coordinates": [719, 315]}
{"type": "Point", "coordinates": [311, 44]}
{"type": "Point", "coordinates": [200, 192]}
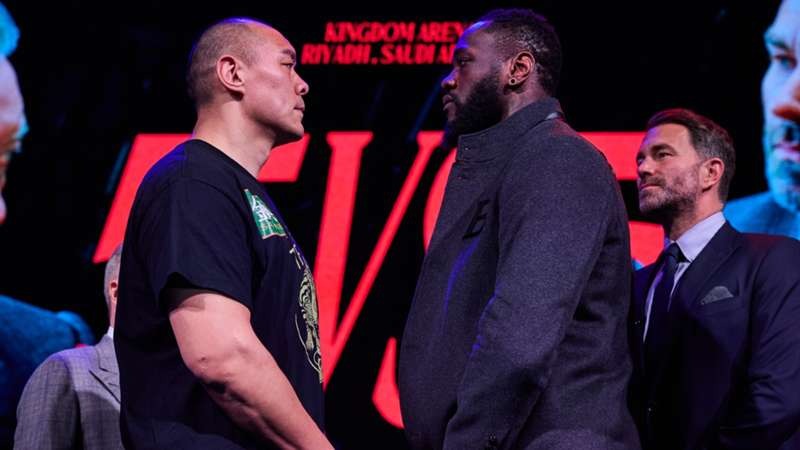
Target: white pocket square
{"type": "Point", "coordinates": [716, 294]}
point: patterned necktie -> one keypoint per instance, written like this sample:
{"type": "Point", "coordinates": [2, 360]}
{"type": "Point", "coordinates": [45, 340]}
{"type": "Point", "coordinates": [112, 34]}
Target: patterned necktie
{"type": "Point", "coordinates": [657, 328]}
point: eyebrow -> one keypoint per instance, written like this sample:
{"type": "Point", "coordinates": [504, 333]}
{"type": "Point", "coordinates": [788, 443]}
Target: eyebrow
{"type": "Point", "coordinates": [661, 146]}
{"type": "Point", "coordinates": [652, 149]}
{"type": "Point", "coordinates": [458, 51]}
{"type": "Point", "coordinates": [773, 39]}
{"type": "Point", "coordinates": [290, 53]}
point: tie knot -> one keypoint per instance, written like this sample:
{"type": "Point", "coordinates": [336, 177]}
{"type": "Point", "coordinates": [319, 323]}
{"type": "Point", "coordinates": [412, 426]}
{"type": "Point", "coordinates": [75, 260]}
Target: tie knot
{"type": "Point", "coordinates": [673, 254]}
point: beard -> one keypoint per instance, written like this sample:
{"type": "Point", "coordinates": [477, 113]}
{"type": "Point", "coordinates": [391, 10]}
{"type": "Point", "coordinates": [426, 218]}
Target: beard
{"type": "Point", "coordinates": [672, 198]}
{"type": "Point", "coordinates": [782, 172]}
{"type": "Point", "coordinates": [481, 109]}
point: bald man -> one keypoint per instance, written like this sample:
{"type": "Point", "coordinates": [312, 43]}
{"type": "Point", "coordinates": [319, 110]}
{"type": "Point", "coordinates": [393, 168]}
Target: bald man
{"type": "Point", "coordinates": [216, 336]}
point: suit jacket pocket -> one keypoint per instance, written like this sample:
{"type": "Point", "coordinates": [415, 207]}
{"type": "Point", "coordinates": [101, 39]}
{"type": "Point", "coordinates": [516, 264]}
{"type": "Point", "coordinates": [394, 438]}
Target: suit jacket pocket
{"type": "Point", "coordinates": [719, 305]}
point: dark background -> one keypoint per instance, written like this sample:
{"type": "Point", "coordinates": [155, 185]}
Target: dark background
{"type": "Point", "coordinates": [94, 74]}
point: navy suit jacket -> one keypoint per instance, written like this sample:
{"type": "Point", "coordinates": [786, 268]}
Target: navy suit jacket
{"type": "Point", "coordinates": [730, 377]}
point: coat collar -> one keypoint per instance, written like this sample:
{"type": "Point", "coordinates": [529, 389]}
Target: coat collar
{"type": "Point", "coordinates": [495, 140]}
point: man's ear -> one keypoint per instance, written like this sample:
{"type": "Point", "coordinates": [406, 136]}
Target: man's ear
{"type": "Point", "coordinates": [711, 173]}
{"type": "Point", "coordinates": [113, 290]}
{"type": "Point", "coordinates": [231, 73]}
{"type": "Point", "coordinates": [520, 68]}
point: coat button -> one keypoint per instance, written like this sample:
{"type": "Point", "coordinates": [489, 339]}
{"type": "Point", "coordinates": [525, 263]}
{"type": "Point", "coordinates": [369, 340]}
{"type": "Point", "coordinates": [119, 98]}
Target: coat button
{"type": "Point", "coordinates": [637, 323]}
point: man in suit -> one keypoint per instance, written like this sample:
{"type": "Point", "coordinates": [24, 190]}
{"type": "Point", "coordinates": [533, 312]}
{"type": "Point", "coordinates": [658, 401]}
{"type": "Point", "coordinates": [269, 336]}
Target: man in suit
{"type": "Point", "coordinates": [714, 322]}
{"type": "Point", "coordinates": [72, 399]}
{"type": "Point", "coordinates": [777, 211]}
{"type": "Point", "coordinates": [516, 335]}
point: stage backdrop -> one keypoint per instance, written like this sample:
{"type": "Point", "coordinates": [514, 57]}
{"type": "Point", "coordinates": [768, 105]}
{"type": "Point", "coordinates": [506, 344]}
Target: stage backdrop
{"type": "Point", "coordinates": [105, 96]}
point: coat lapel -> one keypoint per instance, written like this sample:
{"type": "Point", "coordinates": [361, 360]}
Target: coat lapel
{"type": "Point", "coordinates": [107, 372]}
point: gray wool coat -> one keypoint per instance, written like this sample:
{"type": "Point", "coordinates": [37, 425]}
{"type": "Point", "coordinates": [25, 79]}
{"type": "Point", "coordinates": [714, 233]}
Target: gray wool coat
{"type": "Point", "coordinates": [516, 338]}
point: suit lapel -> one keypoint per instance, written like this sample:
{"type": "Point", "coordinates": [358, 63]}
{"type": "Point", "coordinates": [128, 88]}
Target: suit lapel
{"type": "Point", "coordinates": [107, 372]}
{"type": "Point", "coordinates": [715, 253]}
{"type": "Point", "coordinates": [690, 287]}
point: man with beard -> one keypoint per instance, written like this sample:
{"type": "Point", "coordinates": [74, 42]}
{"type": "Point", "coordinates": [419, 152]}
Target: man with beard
{"type": "Point", "coordinates": [713, 326]}
{"type": "Point", "coordinates": [777, 211]}
{"type": "Point", "coordinates": [516, 336]}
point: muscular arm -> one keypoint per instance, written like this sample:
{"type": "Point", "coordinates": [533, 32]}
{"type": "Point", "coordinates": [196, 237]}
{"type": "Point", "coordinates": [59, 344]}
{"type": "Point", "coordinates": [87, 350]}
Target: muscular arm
{"type": "Point", "coordinates": [219, 346]}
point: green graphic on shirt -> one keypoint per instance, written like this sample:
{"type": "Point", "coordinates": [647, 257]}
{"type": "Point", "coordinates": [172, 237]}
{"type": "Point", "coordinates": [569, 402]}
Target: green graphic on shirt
{"type": "Point", "coordinates": [268, 225]}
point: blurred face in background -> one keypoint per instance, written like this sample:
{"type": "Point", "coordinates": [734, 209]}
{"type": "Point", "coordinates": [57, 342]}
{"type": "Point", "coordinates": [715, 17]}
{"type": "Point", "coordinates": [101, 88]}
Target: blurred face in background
{"type": "Point", "coordinates": [12, 123]}
{"type": "Point", "coordinates": [780, 94]}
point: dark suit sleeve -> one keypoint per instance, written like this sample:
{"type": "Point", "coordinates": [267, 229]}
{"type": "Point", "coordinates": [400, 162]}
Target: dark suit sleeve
{"type": "Point", "coordinates": [553, 221]}
{"type": "Point", "coordinates": [767, 413]}
{"type": "Point", "coordinates": [47, 414]}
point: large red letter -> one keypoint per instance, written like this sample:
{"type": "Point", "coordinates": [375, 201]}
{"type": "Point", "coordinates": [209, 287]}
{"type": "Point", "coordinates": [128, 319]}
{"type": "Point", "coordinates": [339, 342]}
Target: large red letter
{"type": "Point", "coordinates": [283, 165]}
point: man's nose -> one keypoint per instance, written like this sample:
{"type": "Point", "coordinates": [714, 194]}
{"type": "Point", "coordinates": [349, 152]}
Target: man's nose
{"type": "Point", "coordinates": [449, 82]}
{"type": "Point", "coordinates": [302, 86]}
{"type": "Point", "coordinates": [643, 168]}
{"type": "Point", "coordinates": [787, 105]}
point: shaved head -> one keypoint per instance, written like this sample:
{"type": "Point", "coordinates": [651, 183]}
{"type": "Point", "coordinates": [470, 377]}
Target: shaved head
{"type": "Point", "coordinates": [112, 273]}
{"type": "Point", "coordinates": [236, 37]}
{"type": "Point", "coordinates": [517, 30]}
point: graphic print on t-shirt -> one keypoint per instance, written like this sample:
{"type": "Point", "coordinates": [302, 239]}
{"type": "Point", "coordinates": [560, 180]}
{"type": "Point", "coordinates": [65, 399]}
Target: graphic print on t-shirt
{"type": "Point", "coordinates": [268, 224]}
{"type": "Point", "coordinates": [308, 327]}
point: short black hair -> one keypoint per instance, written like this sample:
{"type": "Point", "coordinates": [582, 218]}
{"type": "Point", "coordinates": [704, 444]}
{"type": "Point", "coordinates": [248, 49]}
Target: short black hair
{"type": "Point", "coordinates": [235, 36]}
{"type": "Point", "coordinates": [708, 138]}
{"type": "Point", "coordinates": [516, 30]}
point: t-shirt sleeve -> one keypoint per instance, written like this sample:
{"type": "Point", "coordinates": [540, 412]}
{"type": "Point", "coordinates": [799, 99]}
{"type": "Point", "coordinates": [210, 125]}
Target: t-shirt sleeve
{"type": "Point", "coordinates": [193, 233]}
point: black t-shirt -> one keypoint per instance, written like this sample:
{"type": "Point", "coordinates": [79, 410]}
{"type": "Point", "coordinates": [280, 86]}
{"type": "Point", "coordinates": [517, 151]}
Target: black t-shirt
{"type": "Point", "coordinates": [201, 220]}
